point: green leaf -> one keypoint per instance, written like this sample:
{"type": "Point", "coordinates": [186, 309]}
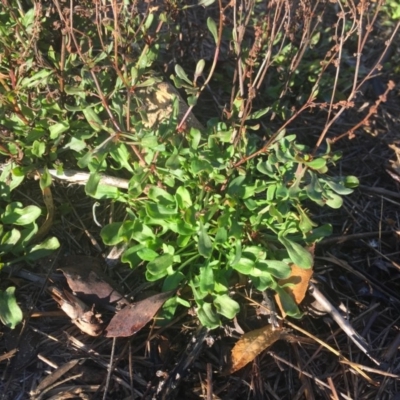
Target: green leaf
{"type": "Point", "coordinates": [45, 179]}
{"type": "Point", "coordinates": [352, 181]}
{"type": "Point", "coordinates": [192, 101]}
{"type": "Point", "coordinates": [92, 118]}
{"type": "Point", "coordinates": [258, 114]}
{"type": "Point", "coordinates": [288, 303]}
{"type": "Point", "coordinates": [319, 233]}
{"type": "Point", "coordinates": [204, 244]}
{"type": "Point", "coordinates": [183, 198]}
{"type": "Point", "coordinates": [15, 214]}
{"type": "Point", "coordinates": [195, 136]}
{"type": "Point", "coordinates": [244, 266]}
{"type": "Point", "coordinates": [226, 306]}
{"type": "Point", "coordinates": [263, 282]}
{"type": "Point", "coordinates": [199, 68]}
{"type": "Point", "coordinates": [207, 316]}
{"type": "Point", "coordinates": [305, 223]}
{"type": "Point", "coordinates": [278, 269]}
{"type": "Point", "coordinates": [147, 254]}
{"type": "Point", "coordinates": [10, 313]}
{"type": "Point", "coordinates": [57, 129]}
{"type": "Point", "coordinates": [38, 148]}
{"type": "Point", "coordinates": [160, 196]}
{"type": "Point", "coordinates": [221, 236]}
{"type": "Point", "coordinates": [236, 187]}
{"type": "Point", "coordinates": [173, 162]}
{"type": "Point", "coordinates": [111, 235]}
{"type": "Point", "coordinates": [318, 163]}
{"type": "Point", "coordinates": [92, 183]}
{"type": "Point", "coordinates": [205, 3]}
{"type": "Point", "coordinates": [333, 200]}
{"type": "Point", "coordinates": [200, 166]}
{"type": "Point", "coordinates": [43, 249]}
{"type": "Point", "coordinates": [212, 28]}
{"type": "Point", "coordinates": [9, 240]}
{"type": "Point", "coordinates": [298, 254]}
{"type": "Point", "coordinates": [107, 192]}
{"type": "Point", "coordinates": [338, 187]}
{"type": "Point", "coordinates": [206, 277]}
{"type": "Point", "coordinates": [158, 211]}
{"type": "Point", "coordinates": [182, 74]}
{"type": "Point", "coordinates": [130, 256]}
{"type": "Point", "coordinates": [160, 264]}
{"type": "Point", "coordinates": [171, 282]}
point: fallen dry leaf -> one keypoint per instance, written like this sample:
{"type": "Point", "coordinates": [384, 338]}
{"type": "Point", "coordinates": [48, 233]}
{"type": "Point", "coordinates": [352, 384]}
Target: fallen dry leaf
{"type": "Point", "coordinates": [85, 278]}
{"type": "Point", "coordinates": [251, 344]}
{"type": "Point", "coordinates": [135, 316]}
{"type": "Point", "coordinates": [299, 279]}
{"type": "Point", "coordinates": [80, 313]}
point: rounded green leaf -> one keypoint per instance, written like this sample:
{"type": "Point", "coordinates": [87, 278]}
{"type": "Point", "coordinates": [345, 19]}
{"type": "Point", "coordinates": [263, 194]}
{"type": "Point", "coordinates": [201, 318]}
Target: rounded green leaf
{"type": "Point", "coordinates": [318, 163]}
{"type": "Point", "coordinates": [278, 269]}
{"type": "Point", "coordinates": [244, 266]}
{"type": "Point", "coordinates": [206, 277]}
{"type": "Point", "coordinates": [43, 249]}
{"type": "Point", "coordinates": [207, 316]}
{"type": "Point", "coordinates": [183, 198]}
{"type": "Point", "coordinates": [298, 254]}
{"type": "Point", "coordinates": [160, 264]}
{"type": "Point", "coordinates": [10, 313]}
{"type": "Point", "coordinates": [333, 200]}
{"type": "Point", "coordinates": [288, 303]}
{"type": "Point", "coordinates": [226, 306]}
{"type": "Point", "coordinates": [262, 282]}
{"type": "Point", "coordinates": [205, 244]}
{"type": "Point", "coordinates": [111, 235]}
{"type": "Point", "coordinates": [171, 282]}
{"type": "Point", "coordinates": [15, 214]}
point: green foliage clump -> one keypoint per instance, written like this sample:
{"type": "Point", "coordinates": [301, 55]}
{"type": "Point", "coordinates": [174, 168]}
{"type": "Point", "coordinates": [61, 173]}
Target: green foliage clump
{"type": "Point", "coordinates": [203, 207]}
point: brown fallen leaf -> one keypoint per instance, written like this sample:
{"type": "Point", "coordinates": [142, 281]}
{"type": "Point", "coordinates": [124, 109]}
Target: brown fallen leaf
{"type": "Point", "coordinates": [135, 316]}
{"type": "Point", "coordinates": [251, 344]}
{"type": "Point", "coordinates": [80, 313]}
{"type": "Point", "coordinates": [87, 280]}
{"type": "Point", "coordinates": [299, 279]}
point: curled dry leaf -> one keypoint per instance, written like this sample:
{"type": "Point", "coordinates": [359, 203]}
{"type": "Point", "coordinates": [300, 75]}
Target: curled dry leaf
{"type": "Point", "coordinates": [251, 344]}
{"type": "Point", "coordinates": [135, 316]}
{"type": "Point", "coordinates": [85, 278]}
{"type": "Point", "coordinates": [80, 313]}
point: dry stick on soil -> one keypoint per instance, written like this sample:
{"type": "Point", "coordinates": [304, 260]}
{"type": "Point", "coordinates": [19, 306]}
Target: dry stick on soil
{"type": "Point", "coordinates": [110, 369]}
{"type": "Point", "coordinates": [210, 395]}
{"type": "Point", "coordinates": [357, 339]}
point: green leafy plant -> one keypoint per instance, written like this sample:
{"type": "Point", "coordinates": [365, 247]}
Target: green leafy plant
{"type": "Point", "coordinates": [18, 228]}
{"type": "Point", "coordinates": [206, 222]}
{"type": "Point", "coordinates": [204, 209]}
